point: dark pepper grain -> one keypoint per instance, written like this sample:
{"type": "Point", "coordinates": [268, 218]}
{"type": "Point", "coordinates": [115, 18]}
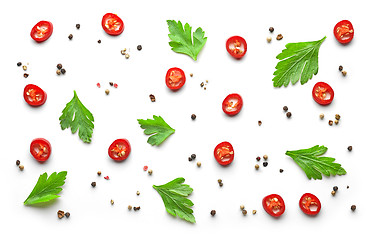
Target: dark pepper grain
{"type": "Point", "coordinates": [78, 26]}
{"type": "Point", "coordinates": [17, 162]}
{"type": "Point", "coordinates": [26, 75]}
{"type": "Point", "coordinates": [193, 116]}
{"type": "Point", "coordinates": [288, 114]}
{"type": "Point", "coordinates": [59, 66]}
{"type": "Point", "coordinates": [285, 108]}
{"type": "Point", "coordinates": [93, 184]}
{"type": "Point", "coordinates": [349, 148]}
{"type": "Point", "coordinates": [19, 64]}
{"type": "Point", "coordinates": [139, 47]}
{"type": "Point", "coordinates": [265, 164]}
{"type": "Point", "coordinates": [213, 212]}
{"type": "Point", "coordinates": [353, 207]}
{"type": "Point", "coordinates": [67, 214]}
{"type": "Point", "coordinates": [271, 29]}
{"type": "Point", "coordinates": [70, 36]}
{"type": "Point", "coordinates": [63, 71]}
{"type": "Point", "coordinates": [340, 68]}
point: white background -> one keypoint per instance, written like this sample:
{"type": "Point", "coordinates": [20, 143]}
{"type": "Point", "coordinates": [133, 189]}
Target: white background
{"type": "Point", "coordinates": [88, 63]}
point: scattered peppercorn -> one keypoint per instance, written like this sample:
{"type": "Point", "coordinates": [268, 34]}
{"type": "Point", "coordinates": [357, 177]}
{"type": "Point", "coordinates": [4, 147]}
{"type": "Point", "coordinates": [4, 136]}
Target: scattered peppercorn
{"type": "Point", "coordinates": [221, 184]}
{"type": "Point", "coordinates": [344, 73]}
{"type": "Point", "coordinates": [198, 164]}
{"type": "Point", "coordinates": [271, 29]}
{"type": "Point", "coordinates": [285, 108]}
{"type": "Point", "coordinates": [336, 122]}
{"type": "Point", "coordinates": [335, 188]}
{"type": "Point", "coordinates": [193, 116]}
{"type": "Point", "coordinates": [99, 41]}
{"type": "Point", "coordinates": [138, 193]}
{"type": "Point", "coordinates": [127, 56]}
{"type": "Point", "coordinates": [93, 184]}
{"type": "Point", "coordinates": [265, 164]}
{"type": "Point", "coordinates": [349, 148]}
{"type": "Point", "coordinates": [193, 156]}
{"type": "Point", "coordinates": [202, 84]}
{"type": "Point", "coordinates": [281, 170]}
{"type": "Point", "coordinates": [60, 214]}
{"type": "Point", "coordinates": [242, 207]}
{"type": "Point", "coordinates": [279, 37]}
{"type": "Point", "coordinates": [78, 26]}
{"type": "Point", "coordinates": [219, 180]}
{"type": "Point", "coordinates": [258, 158]}
{"type": "Point", "coordinates": [256, 166]}
{"type": "Point", "coordinates": [150, 172]}
{"type": "Point", "coordinates": [259, 123]}
{"type": "Point", "coordinates": [244, 212]}
{"type": "Point", "coordinates": [152, 98]}
{"type": "Point", "coordinates": [340, 68]}
{"type": "Point", "coordinates": [353, 207]}
{"type": "Point", "coordinates": [24, 68]}
{"type": "Point", "coordinates": [139, 47]}
{"type": "Point", "coordinates": [17, 162]}
{"type": "Point", "coordinates": [321, 116]}
{"type": "Point", "coordinates": [333, 192]}
{"type": "Point", "coordinates": [70, 36]}
{"type": "Point", "coordinates": [19, 64]}
{"type": "Point", "coordinates": [111, 83]}
{"type": "Point", "coordinates": [347, 186]}
{"type": "Point", "coordinates": [99, 173]}
{"type": "Point", "coordinates": [59, 66]}
{"type": "Point", "coordinates": [63, 71]}
{"type": "Point", "coordinates": [67, 214]}
{"type": "Point", "coordinates": [254, 212]}
{"type": "Point", "coordinates": [26, 75]}
{"type": "Point", "coordinates": [21, 167]}
{"type": "Point", "coordinates": [265, 157]}
{"type": "Point", "coordinates": [107, 91]}
{"type": "Point", "coordinates": [204, 88]}
{"type": "Point", "coordinates": [190, 159]}
{"type": "Point", "coordinates": [112, 202]}
{"type": "Point", "coordinates": [58, 72]}
{"type": "Point", "coordinates": [191, 74]}
{"type": "Point", "coordinates": [288, 114]}
{"type": "Point", "coordinates": [136, 208]}
{"type": "Point", "coordinates": [330, 122]}
{"type": "Point", "coordinates": [213, 212]}
{"type": "Point", "coordinates": [337, 116]}
{"type": "Point", "coordinates": [129, 207]}
{"type": "Point", "coordinates": [269, 39]}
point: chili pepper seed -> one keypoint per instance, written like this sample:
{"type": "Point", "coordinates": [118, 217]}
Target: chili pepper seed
{"type": "Point", "coordinates": [17, 162]}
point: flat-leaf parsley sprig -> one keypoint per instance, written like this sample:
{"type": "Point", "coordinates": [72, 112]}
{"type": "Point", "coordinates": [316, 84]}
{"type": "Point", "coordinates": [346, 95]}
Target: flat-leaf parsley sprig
{"type": "Point", "coordinates": [158, 127]}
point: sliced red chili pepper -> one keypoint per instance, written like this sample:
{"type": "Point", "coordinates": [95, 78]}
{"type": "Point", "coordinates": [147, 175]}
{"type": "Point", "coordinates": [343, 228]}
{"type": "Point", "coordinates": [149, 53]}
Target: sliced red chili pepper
{"type": "Point", "coordinates": [175, 78]}
{"type": "Point", "coordinates": [41, 31]}
{"type": "Point", "coordinates": [119, 149]}
{"type": "Point", "coordinates": [40, 149]}
{"type": "Point", "coordinates": [310, 204]}
{"type": "Point", "coordinates": [343, 31]}
{"type": "Point", "coordinates": [224, 153]}
{"type": "Point", "coordinates": [34, 95]}
{"type": "Point", "coordinates": [323, 93]}
{"type": "Point", "coordinates": [112, 24]}
{"type": "Point", "coordinates": [236, 46]}
{"type": "Point", "coordinates": [232, 104]}
{"type": "Point", "coordinates": [274, 205]}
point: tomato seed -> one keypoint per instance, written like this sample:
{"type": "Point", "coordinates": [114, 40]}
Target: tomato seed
{"type": "Point", "coordinates": [336, 122]}
{"type": "Point", "coordinates": [138, 193]}
{"type": "Point", "coordinates": [24, 68]}
{"type": "Point", "coordinates": [265, 157]}
{"type": "Point", "coordinates": [26, 75]}
{"type": "Point", "coordinates": [337, 116]}
{"type": "Point", "coordinates": [127, 56]}
{"type": "Point", "coordinates": [150, 172]}
{"type": "Point", "coordinates": [202, 84]}
{"type": "Point", "coordinates": [244, 212]}
{"type": "Point", "coordinates": [219, 180]}
{"type": "Point", "coordinates": [112, 202]}
{"type": "Point", "coordinates": [269, 39]}
{"type": "Point", "coordinates": [271, 29]}
{"type": "Point", "coordinates": [254, 212]}
{"type": "Point", "coordinates": [242, 207]}
{"type": "Point", "coordinates": [259, 123]}
{"type": "Point", "coordinates": [321, 116]}
{"type": "Point", "coordinates": [99, 173]}
{"type": "Point", "coordinates": [152, 98]}
{"type": "Point", "coordinates": [198, 164]}
{"type": "Point", "coordinates": [256, 166]}
{"type": "Point", "coordinates": [107, 91]}
{"type": "Point", "coordinates": [191, 74]}
{"type": "Point", "coordinates": [129, 207]}
{"type": "Point", "coordinates": [333, 193]}
{"type": "Point", "coordinates": [330, 122]}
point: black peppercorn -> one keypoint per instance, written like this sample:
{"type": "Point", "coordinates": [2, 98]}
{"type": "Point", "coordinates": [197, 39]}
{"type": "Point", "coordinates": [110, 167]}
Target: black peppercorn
{"type": "Point", "coordinates": [99, 41]}
{"type": "Point", "coordinates": [70, 36]}
{"type": "Point", "coordinates": [190, 159]}
{"type": "Point", "coordinates": [17, 162]}
{"type": "Point", "coordinates": [281, 170]}
{"type": "Point", "coordinates": [285, 108]}
{"type": "Point", "coordinates": [288, 114]}
{"type": "Point", "coordinates": [258, 158]}
{"type": "Point", "coordinates": [67, 214]}
{"type": "Point", "coordinates": [193, 116]}
{"type": "Point", "coordinates": [78, 26]}
{"type": "Point", "coordinates": [349, 148]}
{"type": "Point", "coordinates": [19, 64]}
{"type": "Point", "coordinates": [59, 66]}
{"type": "Point", "coordinates": [139, 47]}
{"type": "Point", "coordinates": [111, 83]}
{"type": "Point", "coordinates": [221, 184]}
{"type": "Point", "coordinates": [152, 98]}
{"type": "Point", "coordinates": [63, 71]}
{"type": "Point", "coordinates": [26, 75]}
{"type": "Point", "coordinates": [340, 68]}
{"type": "Point", "coordinates": [335, 188]}
{"type": "Point", "coordinates": [271, 29]}
{"type": "Point", "coordinates": [213, 212]}
{"type": "Point", "coordinates": [353, 207]}
{"type": "Point", "coordinates": [265, 164]}
{"type": "Point", "coordinates": [193, 156]}
{"type": "Point", "coordinates": [94, 184]}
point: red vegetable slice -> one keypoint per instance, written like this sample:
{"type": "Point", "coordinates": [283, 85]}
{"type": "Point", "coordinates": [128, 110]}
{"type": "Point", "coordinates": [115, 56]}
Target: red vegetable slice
{"type": "Point", "coordinates": [175, 78]}
{"type": "Point", "coordinates": [236, 46]}
{"type": "Point", "coordinates": [112, 24]}
{"type": "Point", "coordinates": [34, 95]}
{"type": "Point", "coordinates": [310, 204]}
{"type": "Point", "coordinates": [323, 93]}
{"type": "Point", "coordinates": [40, 149]}
{"type": "Point", "coordinates": [232, 104]}
{"type": "Point", "coordinates": [343, 31]}
{"type": "Point", "coordinates": [41, 31]}
{"type": "Point", "coordinates": [224, 153]}
{"type": "Point", "coordinates": [274, 205]}
{"type": "Point", "coordinates": [119, 149]}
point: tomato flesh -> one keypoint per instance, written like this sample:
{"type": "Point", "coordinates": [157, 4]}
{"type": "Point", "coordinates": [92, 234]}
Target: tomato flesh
{"type": "Point", "coordinates": [41, 31]}
{"type": "Point", "coordinates": [274, 205]}
{"type": "Point", "coordinates": [40, 149]}
{"type": "Point", "coordinates": [119, 149]}
{"type": "Point", "coordinates": [112, 24]}
{"type": "Point", "coordinates": [34, 95]}
{"type": "Point", "coordinates": [310, 204]}
{"type": "Point", "coordinates": [224, 153]}
{"type": "Point", "coordinates": [323, 94]}
{"type": "Point", "coordinates": [175, 78]}
{"type": "Point", "coordinates": [236, 46]}
{"type": "Point", "coordinates": [232, 104]}
{"type": "Point", "coordinates": [343, 31]}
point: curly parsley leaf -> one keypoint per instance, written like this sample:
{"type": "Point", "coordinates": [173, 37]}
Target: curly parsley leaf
{"type": "Point", "coordinates": [46, 189]}
{"type": "Point", "coordinates": [76, 116]}
{"type": "Point", "coordinates": [313, 165]}
{"type": "Point", "coordinates": [158, 127]}
{"type": "Point", "coordinates": [182, 39]}
{"type": "Point", "coordinates": [174, 195]}
{"type": "Point", "coordinates": [299, 61]}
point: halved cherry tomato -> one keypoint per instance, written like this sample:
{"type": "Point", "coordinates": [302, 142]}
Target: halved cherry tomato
{"type": "Point", "coordinates": [112, 24]}
{"type": "Point", "coordinates": [224, 153]}
{"type": "Point", "coordinates": [42, 31]}
{"type": "Point", "coordinates": [119, 149]}
{"type": "Point", "coordinates": [34, 95]}
{"type": "Point", "coordinates": [343, 31]}
{"type": "Point", "coordinates": [236, 46]}
{"type": "Point", "coordinates": [274, 205]}
{"type": "Point", "coordinates": [310, 204]}
{"type": "Point", "coordinates": [323, 93]}
{"type": "Point", "coordinates": [40, 149]}
{"type": "Point", "coordinates": [175, 78]}
{"type": "Point", "coordinates": [232, 104]}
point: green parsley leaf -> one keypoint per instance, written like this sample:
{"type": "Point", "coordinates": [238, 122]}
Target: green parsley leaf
{"type": "Point", "coordinates": [174, 195]}
{"type": "Point", "coordinates": [313, 165]}
{"type": "Point", "coordinates": [46, 189]}
{"type": "Point", "coordinates": [158, 127]}
{"type": "Point", "coordinates": [182, 39]}
{"type": "Point", "coordinates": [298, 61]}
{"type": "Point", "coordinates": [77, 116]}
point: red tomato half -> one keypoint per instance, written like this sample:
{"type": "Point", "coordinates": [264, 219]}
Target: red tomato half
{"type": "Point", "coordinates": [224, 153]}
{"type": "Point", "coordinates": [34, 95]}
{"type": "Point", "coordinates": [42, 31]}
{"type": "Point", "coordinates": [112, 24]}
{"type": "Point", "coordinates": [236, 46]}
{"type": "Point", "coordinates": [175, 78]}
{"type": "Point", "coordinates": [274, 205]}
{"type": "Point", "coordinates": [323, 93]}
{"type": "Point", "coordinates": [343, 31]}
{"type": "Point", "coordinates": [232, 104]}
{"type": "Point", "coordinates": [310, 204]}
{"type": "Point", "coordinates": [40, 149]}
{"type": "Point", "coordinates": [119, 149]}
